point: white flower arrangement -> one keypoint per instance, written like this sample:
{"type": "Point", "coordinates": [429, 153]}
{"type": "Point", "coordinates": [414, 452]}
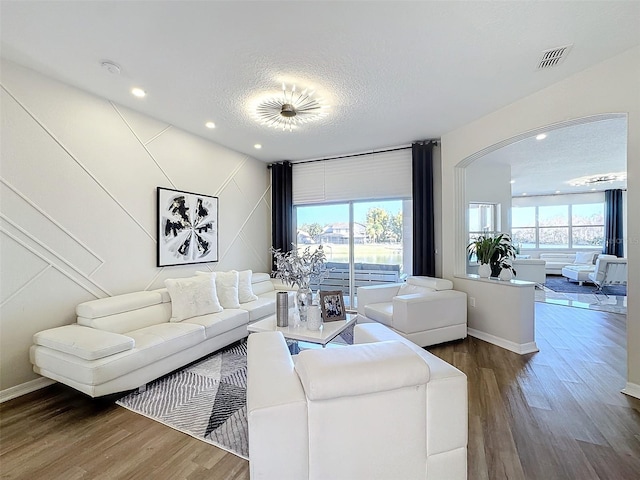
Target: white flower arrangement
{"type": "Point", "coordinates": [300, 269]}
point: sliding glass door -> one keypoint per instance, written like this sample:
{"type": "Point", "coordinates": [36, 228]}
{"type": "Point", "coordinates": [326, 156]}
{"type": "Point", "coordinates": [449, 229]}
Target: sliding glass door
{"type": "Point", "coordinates": [363, 242]}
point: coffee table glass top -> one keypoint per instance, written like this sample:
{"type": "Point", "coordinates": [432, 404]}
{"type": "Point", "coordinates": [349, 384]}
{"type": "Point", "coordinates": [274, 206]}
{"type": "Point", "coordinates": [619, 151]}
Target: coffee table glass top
{"type": "Point", "coordinates": [327, 332]}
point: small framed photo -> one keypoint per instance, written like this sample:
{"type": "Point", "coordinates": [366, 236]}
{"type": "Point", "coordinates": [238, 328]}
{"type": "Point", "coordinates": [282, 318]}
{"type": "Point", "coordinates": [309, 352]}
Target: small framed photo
{"type": "Point", "coordinates": [332, 305]}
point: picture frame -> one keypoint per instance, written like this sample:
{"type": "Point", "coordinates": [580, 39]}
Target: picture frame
{"type": "Point", "coordinates": [187, 228]}
{"type": "Point", "coordinates": [332, 305]}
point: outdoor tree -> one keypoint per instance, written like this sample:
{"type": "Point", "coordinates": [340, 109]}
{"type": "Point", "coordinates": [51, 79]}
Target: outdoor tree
{"type": "Point", "coordinates": [314, 230]}
{"type": "Point", "coordinates": [377, 224]}
{"type": "Point", "coordinates": [395, 227]}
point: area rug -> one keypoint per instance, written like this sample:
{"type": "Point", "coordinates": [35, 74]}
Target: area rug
{"type": "Point", "coordinates": [206, 400]}
{"type": "Point", "coordinates": [560, 284]}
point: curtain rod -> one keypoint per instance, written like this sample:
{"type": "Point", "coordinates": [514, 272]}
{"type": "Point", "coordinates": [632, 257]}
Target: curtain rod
{"type": "Point", "coordinates": [425, 142]}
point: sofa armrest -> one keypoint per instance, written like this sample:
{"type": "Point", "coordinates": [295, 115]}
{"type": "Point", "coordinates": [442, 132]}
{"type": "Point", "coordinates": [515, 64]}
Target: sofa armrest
{"type": "Point", "coordinates": [407, 309]}
{"type": "Point", "coordinates": [376, 294]}
{"type": "Point", "coordinates": [83, 342]}
{"type": "Point", "coordinates": [276, 410]}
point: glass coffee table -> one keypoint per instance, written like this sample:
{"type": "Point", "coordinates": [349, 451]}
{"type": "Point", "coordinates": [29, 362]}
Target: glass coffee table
{"type": "Point", "coordinates": [327, 332]}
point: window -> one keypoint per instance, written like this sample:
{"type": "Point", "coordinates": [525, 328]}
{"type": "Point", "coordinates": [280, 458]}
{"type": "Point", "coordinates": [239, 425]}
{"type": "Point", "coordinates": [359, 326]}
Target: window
{"type": "Point", "coordinates": [587, 225]}
{"type": "Point", "coordinates": [356, 208]}
{"type": "Point", "coordinates": [558, 226]}
{"type": "Point", "coordinates": [553, 226]}
{"type": "Point", "coordinates": [523, 231]}
{"type": "Point", "coordinates": [483, 220]}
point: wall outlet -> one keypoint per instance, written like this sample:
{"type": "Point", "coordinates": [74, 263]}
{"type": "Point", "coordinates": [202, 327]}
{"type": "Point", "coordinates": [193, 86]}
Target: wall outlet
{"type": "Point", "coordinates": [472, 301]}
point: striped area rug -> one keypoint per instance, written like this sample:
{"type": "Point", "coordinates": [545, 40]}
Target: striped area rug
{"type": "Point", "coordinates": [206, 400]}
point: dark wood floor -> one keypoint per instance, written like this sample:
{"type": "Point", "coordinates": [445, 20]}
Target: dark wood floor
{"type": "Point", "coordinates": [556, 414]}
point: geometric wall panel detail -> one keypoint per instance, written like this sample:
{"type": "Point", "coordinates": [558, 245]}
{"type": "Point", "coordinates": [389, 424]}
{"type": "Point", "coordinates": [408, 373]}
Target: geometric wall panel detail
{"type": "Point", "coordinates": [44, 231]}
{"type": "Point", "coordinates": [78, 205]}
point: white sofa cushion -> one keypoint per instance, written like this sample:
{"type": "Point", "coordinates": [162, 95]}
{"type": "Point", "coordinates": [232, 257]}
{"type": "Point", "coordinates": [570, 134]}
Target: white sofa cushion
{"type": "Point", "coordinates": [84, 342]}
{"type": "Point", "coordinates": [227, 288]}
{"type": "Point", "coordinates": [218, 323]}
{"type": "Point", "coordinates": [245, 292]}
{"type": "Point", "coordinates": [260, 308]}
{"type": "Point", "coordinates": [380, 312]}
{"type": "Point", "coordinates": [192, 296]}
{"type": "Point", "coordinates": [359, 369]}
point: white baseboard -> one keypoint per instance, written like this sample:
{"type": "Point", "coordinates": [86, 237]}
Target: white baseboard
{"type": "Point", "coordinates": [520, 348]}
{"type": "Point", "coordinates": [632, 389]}
{"type": "Point", "coordinates": [24, 388]}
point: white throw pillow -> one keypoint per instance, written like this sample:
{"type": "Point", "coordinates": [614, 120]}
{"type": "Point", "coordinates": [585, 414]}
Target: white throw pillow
{"type": "Point", "coordinates": [193, 296]}
{"type": "Point", "coordinates": [245, 291]}
{"type": "Point", "coordinates": [227, 288]}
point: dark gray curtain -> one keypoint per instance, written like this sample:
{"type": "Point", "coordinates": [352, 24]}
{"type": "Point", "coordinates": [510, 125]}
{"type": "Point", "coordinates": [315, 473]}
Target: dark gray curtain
{"type": "Point", "coordinates": [424, 258]}
{"type": "Point", "coordinates": [613, 233]}
{"type": "Point", "coordinates": [281, 206]}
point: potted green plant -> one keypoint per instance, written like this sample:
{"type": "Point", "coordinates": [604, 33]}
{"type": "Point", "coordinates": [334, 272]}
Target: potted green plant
{"type": "Point", "coordinates": [495, 251]}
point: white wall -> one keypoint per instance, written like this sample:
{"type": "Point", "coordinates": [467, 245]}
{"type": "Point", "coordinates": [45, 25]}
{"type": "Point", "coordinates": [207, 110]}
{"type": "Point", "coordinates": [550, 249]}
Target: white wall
{"type": "Point", "coordinates": [491, 183]}
{"type": "Point", "coordinates": [609, 87]}
{"type": "Point", "coordinates": [78, 205]}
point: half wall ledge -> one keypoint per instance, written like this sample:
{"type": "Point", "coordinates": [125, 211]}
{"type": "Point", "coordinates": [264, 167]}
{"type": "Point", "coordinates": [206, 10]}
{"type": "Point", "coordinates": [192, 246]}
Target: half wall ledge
{"type": "Point", "coordinates": [500, 312]}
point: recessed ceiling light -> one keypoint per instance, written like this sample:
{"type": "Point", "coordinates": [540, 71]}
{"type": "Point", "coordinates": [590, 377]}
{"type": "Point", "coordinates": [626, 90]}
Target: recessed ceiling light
{"type": "Point", "coordinates": [524, 194]}
{"type": "Point", "coordinates": [542, 136]}
{"type": "Point", "coordinates": [257, 146]}
{"type": "Point", "coordinates": [210, 125]}
{"type": "Point", "coordinates": [138, 92]}
{"type": "Point", "coordinates": [557, 191]}
{"type": "Point", "coordinates": [512, 182]}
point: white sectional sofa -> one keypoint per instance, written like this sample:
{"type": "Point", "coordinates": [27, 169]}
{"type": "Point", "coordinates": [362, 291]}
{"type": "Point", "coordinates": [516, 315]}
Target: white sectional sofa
{"type": "Point", "coordinates": [424, 310]}
{"type": "Point", "coordinates": [555, 262]}
{"type": "Point", "coordinates": [122, 342]}
{"type": "Point", "coordinates": [383, 408]}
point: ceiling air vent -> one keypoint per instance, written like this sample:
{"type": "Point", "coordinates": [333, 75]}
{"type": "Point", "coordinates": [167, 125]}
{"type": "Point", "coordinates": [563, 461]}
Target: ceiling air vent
{"type": "Point", "coordinates": [552, 57]}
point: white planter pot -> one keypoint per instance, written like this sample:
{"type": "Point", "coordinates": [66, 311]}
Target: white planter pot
{"type": "Point", "coordinates": [484, 270]}
{"type": "Point", "coordinates": [505, 274]}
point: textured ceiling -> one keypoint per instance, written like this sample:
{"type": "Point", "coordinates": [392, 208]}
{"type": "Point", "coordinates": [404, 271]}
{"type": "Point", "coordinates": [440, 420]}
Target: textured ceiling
{"type": "Point", "coordinates": [545, 167]}
{"type": "Point", "coordinates": [393, 72]}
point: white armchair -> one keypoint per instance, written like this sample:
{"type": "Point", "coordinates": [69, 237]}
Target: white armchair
{"type": "Point", "coordinates": [382, 409]}
{"type": "Point", "coordinates": [424, 310]}
{"type": "Point", "coordinates": [609, 270]}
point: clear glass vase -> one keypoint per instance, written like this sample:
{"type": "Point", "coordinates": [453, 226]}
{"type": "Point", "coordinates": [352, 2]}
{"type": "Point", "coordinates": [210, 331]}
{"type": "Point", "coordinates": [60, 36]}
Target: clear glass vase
{"type": "Point", "coordinates": [304, 298]}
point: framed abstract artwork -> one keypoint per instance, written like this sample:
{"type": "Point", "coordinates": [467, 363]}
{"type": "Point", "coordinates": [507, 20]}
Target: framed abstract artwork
{"type": "Point", "coordinates": [187, 228]}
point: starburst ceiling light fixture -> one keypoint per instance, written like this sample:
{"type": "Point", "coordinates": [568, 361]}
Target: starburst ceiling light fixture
{"type": "Point", "coordinates": [290, 109]}
{"type": "Point", "coordinates": [595, 179]}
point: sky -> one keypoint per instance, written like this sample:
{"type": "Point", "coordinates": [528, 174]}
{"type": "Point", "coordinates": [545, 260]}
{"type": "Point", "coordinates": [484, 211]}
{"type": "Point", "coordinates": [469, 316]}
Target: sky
{"type": "Point", "coordinates": [326, 214]}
